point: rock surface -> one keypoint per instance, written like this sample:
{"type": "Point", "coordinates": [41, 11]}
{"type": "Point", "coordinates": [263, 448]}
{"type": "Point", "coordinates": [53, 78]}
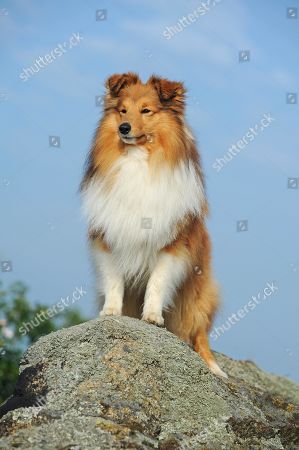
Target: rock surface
{"type": "Point", "coordinates": [120, 383]}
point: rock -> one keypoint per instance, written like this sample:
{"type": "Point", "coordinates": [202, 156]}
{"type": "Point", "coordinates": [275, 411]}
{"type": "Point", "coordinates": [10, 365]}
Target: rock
{"type": "Point", "coordinates": [119, 383]}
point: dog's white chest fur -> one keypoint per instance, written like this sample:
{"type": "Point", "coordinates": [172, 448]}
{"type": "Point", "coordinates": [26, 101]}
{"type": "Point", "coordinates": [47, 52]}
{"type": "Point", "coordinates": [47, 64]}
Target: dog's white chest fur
{"type": "Point", "coordinates": [138, 210]}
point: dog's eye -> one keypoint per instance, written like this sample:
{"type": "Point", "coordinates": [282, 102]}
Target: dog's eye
{"type": "Point", "coordinates": [123, 111]}
{"type": "Point", "coordinates": [145, 111]}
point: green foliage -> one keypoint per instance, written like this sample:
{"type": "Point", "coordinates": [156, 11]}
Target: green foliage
{"type": "Point", "coordinates": [15, 310]}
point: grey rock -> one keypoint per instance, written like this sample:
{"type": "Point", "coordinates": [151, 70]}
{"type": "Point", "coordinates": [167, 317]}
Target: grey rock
{"type": "Point", "coordinates": [118, 382]}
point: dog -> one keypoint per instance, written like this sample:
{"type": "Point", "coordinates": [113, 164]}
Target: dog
{"type": "Point", "coordinates": [144, 198]}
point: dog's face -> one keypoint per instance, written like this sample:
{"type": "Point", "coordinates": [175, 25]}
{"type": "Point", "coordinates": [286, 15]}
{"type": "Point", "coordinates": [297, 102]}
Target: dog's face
{"type": "Point", "coordinates": [140, 110]}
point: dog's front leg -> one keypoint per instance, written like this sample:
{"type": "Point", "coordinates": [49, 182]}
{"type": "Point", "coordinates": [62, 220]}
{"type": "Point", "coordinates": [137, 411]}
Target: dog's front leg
{"type": "Point", "coordinates": [113, 284]}
{"type": "Point", "coordinates": [167, 275]}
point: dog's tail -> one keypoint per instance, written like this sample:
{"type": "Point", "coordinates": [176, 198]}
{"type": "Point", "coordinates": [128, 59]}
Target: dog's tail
{"type": "Point", "coordinates": [204, 315]}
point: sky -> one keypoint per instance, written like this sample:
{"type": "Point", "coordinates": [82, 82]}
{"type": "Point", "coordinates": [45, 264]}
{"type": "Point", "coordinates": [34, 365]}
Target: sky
{"type": "Point", "coordinates": [239, 62]}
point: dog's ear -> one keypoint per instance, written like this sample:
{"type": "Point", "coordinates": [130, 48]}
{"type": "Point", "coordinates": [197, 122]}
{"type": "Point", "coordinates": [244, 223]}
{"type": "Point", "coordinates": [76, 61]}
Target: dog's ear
{"type": "Point", "coordinates": [117, 82]}
{"type": "Point", "coordinates": [171, 93]}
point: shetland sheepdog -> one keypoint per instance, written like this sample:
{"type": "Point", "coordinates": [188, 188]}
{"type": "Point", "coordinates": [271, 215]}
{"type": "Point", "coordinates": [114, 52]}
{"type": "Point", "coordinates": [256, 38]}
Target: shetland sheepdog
{"type": "Point", "coordinates": [144, 198]}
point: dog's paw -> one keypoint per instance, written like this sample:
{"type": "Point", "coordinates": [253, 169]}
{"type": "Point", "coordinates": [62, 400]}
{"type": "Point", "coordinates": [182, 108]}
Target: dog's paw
{"type": "Point", "coordinates": [110, 311]}
{"type": "Point", "coordinates": [154, 318]}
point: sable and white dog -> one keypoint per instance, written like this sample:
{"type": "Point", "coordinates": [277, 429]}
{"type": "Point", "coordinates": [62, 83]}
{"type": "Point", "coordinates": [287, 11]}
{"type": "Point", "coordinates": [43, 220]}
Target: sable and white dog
{"type": "Point", "coordinates": [143, 194]}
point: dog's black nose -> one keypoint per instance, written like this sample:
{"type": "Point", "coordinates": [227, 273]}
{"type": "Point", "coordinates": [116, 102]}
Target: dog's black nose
{"type": "Point", "coordinates": [125, 128]}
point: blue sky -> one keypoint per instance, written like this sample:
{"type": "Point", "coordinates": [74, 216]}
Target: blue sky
{"type": "Point", "coordinates": [43, 233]}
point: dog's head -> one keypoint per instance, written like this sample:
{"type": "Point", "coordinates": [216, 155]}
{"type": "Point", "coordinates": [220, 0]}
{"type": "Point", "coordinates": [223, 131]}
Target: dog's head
{"type": "Point", "coordinates": [143, 111]}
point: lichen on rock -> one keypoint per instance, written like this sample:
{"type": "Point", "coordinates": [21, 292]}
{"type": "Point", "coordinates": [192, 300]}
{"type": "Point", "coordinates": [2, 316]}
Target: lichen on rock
{"type": "Point", "coordinates": [118, 382]}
